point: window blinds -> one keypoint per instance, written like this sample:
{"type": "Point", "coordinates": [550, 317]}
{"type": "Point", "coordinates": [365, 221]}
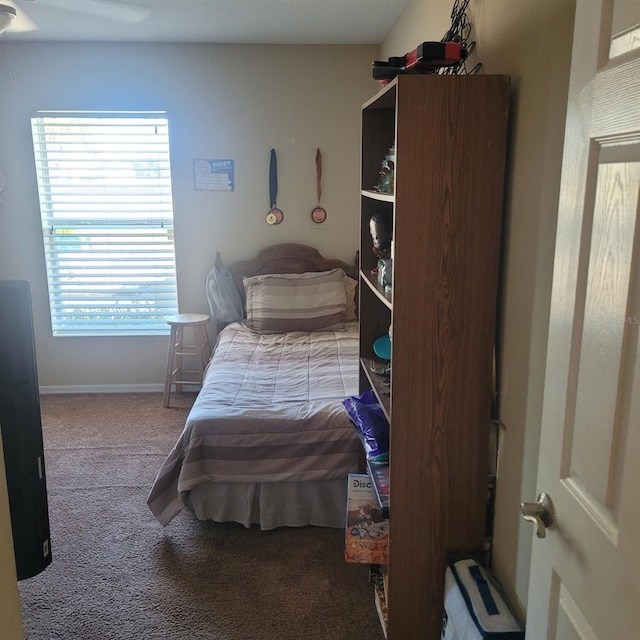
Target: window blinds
{"type": "Point", "coordinates": [104, 182]}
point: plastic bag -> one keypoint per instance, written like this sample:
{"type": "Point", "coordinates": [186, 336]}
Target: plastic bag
{"type": "Point", "coordinates": [370, 423]}
{"type": "Point", "coordinates": [224, 300]}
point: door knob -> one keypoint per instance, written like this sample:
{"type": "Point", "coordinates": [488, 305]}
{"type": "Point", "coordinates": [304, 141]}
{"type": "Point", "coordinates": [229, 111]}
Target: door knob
{"type": "Point", "coordinates": [539, 512]}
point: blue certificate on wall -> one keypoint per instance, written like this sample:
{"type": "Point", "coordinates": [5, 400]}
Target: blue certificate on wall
{"type": "Point", "coordinates": [213, 175]}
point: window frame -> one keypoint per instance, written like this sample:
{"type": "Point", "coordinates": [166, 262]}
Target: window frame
{"type": "Point", "coordinates": [104, 185]}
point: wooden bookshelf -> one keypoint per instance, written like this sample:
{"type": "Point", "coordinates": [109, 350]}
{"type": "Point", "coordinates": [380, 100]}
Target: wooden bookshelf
{"type": "Point", "coordinates": [449, 134]}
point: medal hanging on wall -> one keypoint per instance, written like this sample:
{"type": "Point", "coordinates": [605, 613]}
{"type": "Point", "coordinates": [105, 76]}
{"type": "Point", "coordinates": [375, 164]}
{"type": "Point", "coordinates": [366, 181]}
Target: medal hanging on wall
{"type": "Point", "coordinates": [275, 215]}
{"type": "Point", "coordinates": [319, 214]}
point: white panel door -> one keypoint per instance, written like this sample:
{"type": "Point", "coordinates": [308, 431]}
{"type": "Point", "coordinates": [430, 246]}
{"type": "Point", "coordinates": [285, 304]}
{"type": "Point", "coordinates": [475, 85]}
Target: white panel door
{"type": "Point", "coordinates": [585, 573]}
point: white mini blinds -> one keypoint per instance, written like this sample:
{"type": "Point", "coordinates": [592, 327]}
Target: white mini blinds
{"type": "Point", "coordinates": [107, 220]}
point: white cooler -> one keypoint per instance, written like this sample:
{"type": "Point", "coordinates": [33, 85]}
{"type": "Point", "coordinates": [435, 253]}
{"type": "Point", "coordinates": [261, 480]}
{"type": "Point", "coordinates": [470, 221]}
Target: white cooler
{"type": "Point", "coordinates": [474, 606]}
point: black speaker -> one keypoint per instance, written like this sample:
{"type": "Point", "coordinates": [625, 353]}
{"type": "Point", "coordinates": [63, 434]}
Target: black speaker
{"type": "Point", "coordinates": [21, 428]}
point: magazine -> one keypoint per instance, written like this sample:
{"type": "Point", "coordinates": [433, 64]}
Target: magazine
{"type": "Point", "coordinates": [367, 532]}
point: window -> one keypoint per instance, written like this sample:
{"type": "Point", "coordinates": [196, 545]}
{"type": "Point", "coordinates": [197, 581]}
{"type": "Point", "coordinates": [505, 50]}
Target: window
{"type": "Point", "coordinates": [107, 220]}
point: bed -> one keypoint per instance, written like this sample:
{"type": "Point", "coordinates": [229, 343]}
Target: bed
{"type": "Point", "coordinates": [267, 441]}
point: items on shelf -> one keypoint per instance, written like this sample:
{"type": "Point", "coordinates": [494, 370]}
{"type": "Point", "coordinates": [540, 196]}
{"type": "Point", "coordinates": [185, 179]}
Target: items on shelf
{"type": "Point", "coordinates": [381, 230]}
{"type": "Point", "coordinates": [385, 274]}
{"type": "Point", "coordinates": [447, 57]}
{"type": "Point", "coordinates": [380, 368]}
{"type": "Point", "coordinates": [367, 533]}
{"type": "Point", "coordinates": [378, 580]}
{"type": "Point", "coordinates": [386, 176]}
{"type": "Point", "coordinates": [427, 57]}
{"type": "Point", "coordinates": [382, 347]}
{"type": "Point", "coordinates": [372, 428]}
{"type": "Point", "coordinates": [379, 473]}
{"type": "Point", "coordinates": [370, 423]}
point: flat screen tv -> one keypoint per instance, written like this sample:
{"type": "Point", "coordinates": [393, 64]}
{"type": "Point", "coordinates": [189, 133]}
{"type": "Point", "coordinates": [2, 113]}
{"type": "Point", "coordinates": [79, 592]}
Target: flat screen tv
{"type": "Point", "coordinates": [21, 429]}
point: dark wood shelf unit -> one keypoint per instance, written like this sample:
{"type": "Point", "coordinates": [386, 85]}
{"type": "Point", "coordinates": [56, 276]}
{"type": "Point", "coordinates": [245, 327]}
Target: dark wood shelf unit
{"type": "Point", "coordinates": [449, 134]}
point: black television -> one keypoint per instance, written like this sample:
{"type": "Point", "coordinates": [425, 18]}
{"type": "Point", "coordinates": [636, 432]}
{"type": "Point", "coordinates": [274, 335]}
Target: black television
{"type": "Point", "coordinates": [21, 429]}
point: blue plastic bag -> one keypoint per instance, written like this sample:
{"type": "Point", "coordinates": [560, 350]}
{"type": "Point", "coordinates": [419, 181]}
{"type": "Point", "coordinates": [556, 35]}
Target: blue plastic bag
{"type": "Point", "coordinates": [370, 424]}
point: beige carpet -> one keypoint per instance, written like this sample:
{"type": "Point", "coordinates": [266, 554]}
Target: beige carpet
{"type": "Point", "coordinates": [117, 574]}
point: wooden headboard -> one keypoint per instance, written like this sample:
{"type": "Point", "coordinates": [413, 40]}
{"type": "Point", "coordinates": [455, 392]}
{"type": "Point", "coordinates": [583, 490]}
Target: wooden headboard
{"type": "Point", "coordinates": [288, 258]}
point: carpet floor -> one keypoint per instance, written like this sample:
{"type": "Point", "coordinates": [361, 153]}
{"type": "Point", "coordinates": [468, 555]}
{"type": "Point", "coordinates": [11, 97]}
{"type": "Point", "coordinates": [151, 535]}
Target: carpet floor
{"type": "Point", "coordinates": [117, 574]}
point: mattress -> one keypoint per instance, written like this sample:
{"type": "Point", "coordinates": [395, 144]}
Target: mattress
{"type": "Point", "coordinates": [269, 411]}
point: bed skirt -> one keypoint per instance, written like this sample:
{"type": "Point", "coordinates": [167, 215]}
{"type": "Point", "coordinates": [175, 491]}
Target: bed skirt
{"type": "Point", "coordinates": [270, 505]}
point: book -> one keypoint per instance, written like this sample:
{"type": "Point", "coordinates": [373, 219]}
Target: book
{"type": "Point", "coordinates": [378, 578]}
{"type": "Point", "coordinates": [379, 472]}
{"type": "Point", "coordinates": [367, 532]}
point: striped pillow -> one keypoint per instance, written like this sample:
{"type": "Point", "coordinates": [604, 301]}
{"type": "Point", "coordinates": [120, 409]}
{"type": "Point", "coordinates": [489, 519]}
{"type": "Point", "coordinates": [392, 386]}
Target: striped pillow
{"type": "Point", "coordinates": [280, 302]}
{"type": "Point", "coordinates": [350, 287]}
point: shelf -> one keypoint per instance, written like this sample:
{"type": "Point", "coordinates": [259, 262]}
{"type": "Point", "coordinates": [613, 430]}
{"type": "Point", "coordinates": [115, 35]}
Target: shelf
{"type": "Point", "coordinates": [449, 133]}
{"type": "Point", "coordinates": [376, 195]}
{"type": "Point", "coordinates": [372, 280]}
{"type": "Point", "coordinates": [380, 389]}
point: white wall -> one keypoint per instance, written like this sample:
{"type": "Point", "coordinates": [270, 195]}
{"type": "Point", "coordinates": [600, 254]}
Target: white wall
{"type": "Point", "coordinates": [223, 101]}
{"type": "Point", "coordinates": [531, 41]}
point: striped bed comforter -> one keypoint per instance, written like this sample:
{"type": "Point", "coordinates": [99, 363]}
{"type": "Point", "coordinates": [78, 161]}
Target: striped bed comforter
{"type": "Point", "coordinates": [269, 411]}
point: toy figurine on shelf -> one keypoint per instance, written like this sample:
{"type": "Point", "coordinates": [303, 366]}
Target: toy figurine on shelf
{"type": "Point", "coordinates": [386, 175]}
{"type": "Point", "coordinates": [385, 178]}
{"type": "Point", "coordinates": [381, 230]}
{"type": "Point", "coordinates": [385, 274]}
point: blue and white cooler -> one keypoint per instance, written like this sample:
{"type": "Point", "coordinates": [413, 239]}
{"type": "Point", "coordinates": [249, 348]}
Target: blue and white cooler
{"type": "Point", "coordinates": [474, 606]}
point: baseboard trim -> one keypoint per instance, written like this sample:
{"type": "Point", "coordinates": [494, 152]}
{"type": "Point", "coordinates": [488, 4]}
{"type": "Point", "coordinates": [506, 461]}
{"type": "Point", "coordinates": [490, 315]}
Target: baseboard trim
{"type": "Point", "coordinates": [109, 388]}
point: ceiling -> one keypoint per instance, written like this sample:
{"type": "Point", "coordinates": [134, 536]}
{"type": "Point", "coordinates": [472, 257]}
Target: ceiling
{"type": "Point", "coordinates": [222, 21]}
